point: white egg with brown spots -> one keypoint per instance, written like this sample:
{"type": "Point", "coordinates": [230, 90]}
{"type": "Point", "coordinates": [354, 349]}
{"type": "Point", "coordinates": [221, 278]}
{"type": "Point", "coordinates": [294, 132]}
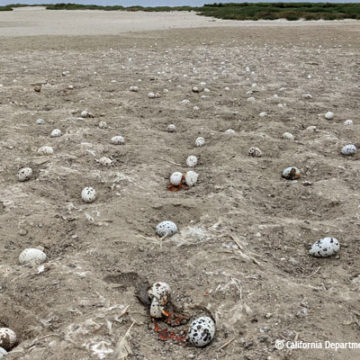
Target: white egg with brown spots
{"type": "Point", "coordinates": [254, 152]}
{"type": "Point", "coordinates": [88, 194]}
{"type": "Point", "coordinates": [325, 247]}
{"type": "Point", "coordinates": [349, 150]}
{"type": "Point", "coordinates": [166, 228]}
{"type": "Point", "coordinates": [201, 331]}
{"type": "Point", "coordinates": [24, 174]}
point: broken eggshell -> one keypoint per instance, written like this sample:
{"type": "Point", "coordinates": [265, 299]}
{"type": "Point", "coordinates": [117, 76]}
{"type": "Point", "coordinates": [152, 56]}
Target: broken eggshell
{"type": "Point", "coordinates": [166, 228]}
{"type": "Point", "coordinates": [325, 247]}
{"type": "Point", "coordinates": [201, 331]}
{"type": "Point", "coordinates": [8, 338]}
{"type": "Point", "coordinates": [291, 173]}
{"type": "Point", "coordinates": [160, 294]}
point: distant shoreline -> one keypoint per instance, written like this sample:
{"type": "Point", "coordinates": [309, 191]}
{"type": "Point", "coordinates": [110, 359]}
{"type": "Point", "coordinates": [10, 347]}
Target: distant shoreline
{"type": "Point", "coordinates": [244, 11]}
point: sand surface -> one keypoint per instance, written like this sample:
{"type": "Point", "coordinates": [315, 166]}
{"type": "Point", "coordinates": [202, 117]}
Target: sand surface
{"type": "Point", "coordinates": [242, 250]}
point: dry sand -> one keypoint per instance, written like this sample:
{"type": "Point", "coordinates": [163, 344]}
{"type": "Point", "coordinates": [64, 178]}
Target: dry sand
{"type": "Point", "coordinates": [267, 289]}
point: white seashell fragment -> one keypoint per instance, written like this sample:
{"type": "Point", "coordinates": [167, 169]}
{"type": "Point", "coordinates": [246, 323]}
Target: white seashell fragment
{"type": "Point", "coordinates": [166, 228]}
{"type": "Point", "coordinates": [200, 141]}
{"type": "Point", "coordinates": [291, 173]}
{"type": "Point", "coordinates": [311, 128]}
{"type": "Point", "coordinates": [118, 140]}
{"type": "Point", "coordinates": [134, 88]}
{"type": "Point", "coordinates": [40, 122]}
{"type": "Point", "coordinates": [151, 95]}
{"type": "Point", "coordinates": [329, 115]}
{"type": "Point", "coordinates": [201, 331]}
{"type": "Point", "coordinates": [45, 150]}
{"type": "Point", "coordinates": [254, 152]}
{"type": "Point", "coordinates": [348, 122]}
{"type": "Point", "coordinates": [8, 339]}
{"type": "Point", "coordinates": [191, 178]}
{"type": "Point", "coordinates": [251, 98]}
{"type": "Point", "coordinates": [263, 114]}
{"type": "Point", "coordinates": [88, 194]}
{"type": "Point", "coordinates": [171, 128]}
{"type": "Point", "coordinates": [325, 247]}
{"type": "Point", "coordinates": [191, 161]}
{"type": "Point", "coordinates": [349, 149]}
{"type": "Point", "coordinates": [288, 136]}
{"type": "Point", "coordinates": [32, 257]}
{"type": "Point", "coordinates": [105, 161]}
{"type": "Point", "coordinates": [56, 133]}
{"type": "Point", "coordinates": [24, 174]}
{"type": "Point", "coordinates": [307, 96]}
{"type": "Point", "coordinates": [175, 178]}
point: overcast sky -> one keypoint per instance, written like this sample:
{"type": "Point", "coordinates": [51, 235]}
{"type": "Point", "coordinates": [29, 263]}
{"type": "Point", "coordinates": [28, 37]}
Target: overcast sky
{"type": "Point", "coordinates": [156, 2]}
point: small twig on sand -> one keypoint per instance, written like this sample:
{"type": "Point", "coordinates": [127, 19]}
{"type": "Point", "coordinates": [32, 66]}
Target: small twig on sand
{"type": "Point", "coordinates": [169, 161]}
{"type": "Point", "coordinates": [225, 344]}
{"type": "Point", "coordinates": [123, 349]}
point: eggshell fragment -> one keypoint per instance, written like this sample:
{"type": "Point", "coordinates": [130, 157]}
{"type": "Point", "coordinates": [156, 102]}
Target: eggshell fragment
{"type": "Point", "coordinates": [156, 309]}
{"type": "Point", "coordinates": [254, 152]}
{"type": "Point", "coordinates": [349, 149]}
{"type": "Point", "coordinates": [291, 173]}
{"type": "Point", "coordinates": [191, 161]}
{"type": "Point", "coordinates": [191, 178]}
{"type": "Point", "coordinates": [325, 247]}
{"type": "Point", "coordinates": [8, 339]}
{"type": "Point", "coordinates": [200, 141]}
{"type": "Point", "coordinates": [103, 125]}
{"type": "Point", "coordinates": [166, 228]}
{"type": "Point", "coordinates": [56, 133]}
{"type": "Point", "coordinates": [32, 257]}
{"type": "Point", "coordinates": [40, 122]}
{"type": "Point", "coordinates": [230, 132]}
{"type": "Point", "coordinates": [201, 331]}
{"type": "Point", "coordinates": [88, 194]}
{"type": "Point", "coordinates": [175, 178]}
{"type": "Point", "coordinates": [45, 150]}
{"type": "Point", "coordinates": [24, 174]}
{"type": "Point", "coordinates": [348, 122]}
{"type": "Point", "coordinates": [134, 88]}
{"type": "Point", "coordinates": [288, 136]}
{"type": "Point", "coordinates": [118, 140]}
{"type": "Point", "coordinates": [161, 291]}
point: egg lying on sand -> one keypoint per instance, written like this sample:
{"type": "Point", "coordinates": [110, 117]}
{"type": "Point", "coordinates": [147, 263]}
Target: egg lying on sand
{"type": "Point", "coordinates": [56, 133]}
{"type": "Point", "coordinates": [32, 257]}
{"type": "Point", "coordinates": [325, 247]}
{"type": "Point", "coordinates": [191, 161]}
{"type": "Point", "coordinates": [191, 178]}
{"type": "Point", "coordinates": [288, 136]}
{"type": "Point", "coordinates": [8, 339]}
{"type": "Point", "coordinates": [329, 115]}
{"type": "Point", "coordinates": [200, 141]}
{"type": "Point", "coordinates": [171, 128]}
{"type": "Point", "coordinates": [291, 173]}
{"type": "Point", "coordinates": [45, 150]}
{"type": "Point", "coordinates": [166, 228]}
{"type": "Point", "coordinates": [201, 331]}
{"type": "Point", "coordinates": [176, 178]}
{"type": "Point", "coordinates": [349, 149]}
{"type": "Point", "coordinates": [88, 194]}
{"type": "Point", "coordinates": [24, 174]}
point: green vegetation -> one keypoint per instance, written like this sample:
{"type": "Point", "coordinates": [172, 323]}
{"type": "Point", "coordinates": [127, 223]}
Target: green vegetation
{"type": "Point", "coordinates": [244, 11]}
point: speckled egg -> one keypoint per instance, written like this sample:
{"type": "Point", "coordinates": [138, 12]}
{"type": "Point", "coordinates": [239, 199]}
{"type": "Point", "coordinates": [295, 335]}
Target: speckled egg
{"type": "Point", "coordinates": [200, 141]}
{"type": "Point", "coordinates": [291, 173]}
{"type": "Point", "coordinates": [32, 257]}
{"type": "Point", "coordinates": [45, 150]}
{"type": "Point", "coordinates": [329, 115]}
{"type": "Point", "coordinates": [88, 194]}
{"type": "Point", "coordinates": [191, 178]}
{"type": "Point", "coordinates": [8, 338]}
{"type": "Point", "coordinates": [175, 178]}
{"type": "Point", "coordinates": [24, 174]}
{"type": "Point", "coordinates": [191, 161]}
{"type": "Point", "coordinates": [161, 291]}
{"type": "Point", "coordinates": [56, 133]}
{"type": "Point", "coordinates": [156, 309]}
{"type": "Point", "coordinates": [118, 140]}
{"type": "Point", "coordinates": [254, 152]}
{"type": "Point", "coordinates": [349, 149]}
{"type": "Point", "coordinates": [166, 228]}
{"type": "Point", "coordinates": [201, 331]}
{"type": "Point", "coordinates": [3, 353]}
{"type": "Point", "coordinates": [171, 128]}
{"type": "Point", "coordinates": [325, 247]}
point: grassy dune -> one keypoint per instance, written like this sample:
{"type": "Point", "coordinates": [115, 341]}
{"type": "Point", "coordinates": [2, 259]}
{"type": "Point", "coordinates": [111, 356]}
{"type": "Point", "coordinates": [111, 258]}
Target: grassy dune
{"type": "Point", "coordinates": [245, 11]}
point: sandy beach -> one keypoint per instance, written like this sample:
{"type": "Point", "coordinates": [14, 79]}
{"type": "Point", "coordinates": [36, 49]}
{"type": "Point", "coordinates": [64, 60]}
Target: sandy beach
{"type": "Point", "coordinates": [241, 253]}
